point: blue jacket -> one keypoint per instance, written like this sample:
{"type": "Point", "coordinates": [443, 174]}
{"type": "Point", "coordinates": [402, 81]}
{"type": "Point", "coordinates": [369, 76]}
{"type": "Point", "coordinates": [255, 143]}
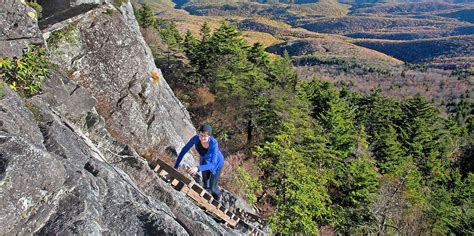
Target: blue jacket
{"type": "Point", "coordinates": [213, 158]}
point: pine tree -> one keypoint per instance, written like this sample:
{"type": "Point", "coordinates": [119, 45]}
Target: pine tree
{"type": "Point", "coordinates": [170, 34]}
{"type": "Point", "coordinates": [145, 17]}
{"type": "Point", "coordinates": [190, 45]}
{"type": "Point", "coordinates": [258, 56]}
{"type": "Point", "coordinates": [205, 32]}
{"type": "Point", "coordinates": [300, 193]}
{"type": "Point", "coordinates": [388, 151]}
{"type": "Point", "coordinates": [282, 73]}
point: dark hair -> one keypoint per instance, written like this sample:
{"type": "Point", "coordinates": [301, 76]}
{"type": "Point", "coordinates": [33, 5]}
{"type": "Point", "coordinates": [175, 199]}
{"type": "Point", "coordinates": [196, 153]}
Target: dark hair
{"type": "Point", "coordinates": [205, 128]}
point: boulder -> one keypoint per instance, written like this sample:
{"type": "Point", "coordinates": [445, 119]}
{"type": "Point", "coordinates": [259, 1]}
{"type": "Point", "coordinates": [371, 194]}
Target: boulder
{"type": "Point", "coordinates": [107, 56]}
{"type": "Point", "coordinates": [18, 28]}
{"type": "Point", "coordinates": [66, 186]}
{"type": "Point", "coordinates": [17, 118]}
{"type": "Point", "coordinates": [98, 143]}
{"type": "Point", "coordinates": [53, 7]}
{"type": "Point", "coordinates": [70, 157]}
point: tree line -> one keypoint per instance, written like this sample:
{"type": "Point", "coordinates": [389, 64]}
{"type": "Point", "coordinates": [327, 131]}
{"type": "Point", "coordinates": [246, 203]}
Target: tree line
{"type": "Point", "coordinates": [329, 158]}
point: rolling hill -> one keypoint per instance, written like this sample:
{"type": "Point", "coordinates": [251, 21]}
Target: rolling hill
{"type": "Point", "coordinates": [366, 42]}
{"type": "Point", "coordinates": [459, 48]}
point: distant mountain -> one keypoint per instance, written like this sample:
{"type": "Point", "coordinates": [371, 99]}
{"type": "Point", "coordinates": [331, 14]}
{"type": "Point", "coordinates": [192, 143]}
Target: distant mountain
{"type": "Point", "coordinates": [459, 49]}
{"type": "Point", "coordinates": [464, 15]}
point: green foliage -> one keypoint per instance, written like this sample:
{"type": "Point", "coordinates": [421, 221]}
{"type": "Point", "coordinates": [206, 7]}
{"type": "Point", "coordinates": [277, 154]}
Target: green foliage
{"type": "Point", "coordinates": [358, 186]}
{"type": "Point", "coordinates": [26, 73]}
{"type": "Point", "coordinates": [388, 151]}
{"type": "Point", "coordinates": [282, 72]}
{"type": "Point", "coordinates": [169, 33]}
{"type": "Point", "coordinates": [301, 196]}
{"type": "Point", "coordinates": [2, 91]}
{"type": "Point", "coordinates": [451, 211]}
{"type": "Point", "coordinates": [145, 16]}
{"type": "Point", "coordinates": [66, 34]}
{"type": "Point", "coordinates": [119, 3]}
{"type": "Point", "coordinates": [347, 64]}
{"type": "Point", "coordinates": [190, 44]}
{"type": "Point", "coordinates": [38, 8]}
{"type": "Point", "coordinates": [250, 184]}
{"type": "Point", "coordinates": [357, 163]}
{"type": "Point", "coordinates": [335, 114]}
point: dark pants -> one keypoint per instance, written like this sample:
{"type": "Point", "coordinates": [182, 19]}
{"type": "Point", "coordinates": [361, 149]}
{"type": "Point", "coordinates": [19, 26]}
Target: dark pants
{"type": "Point", "coordinates": [210, 180]}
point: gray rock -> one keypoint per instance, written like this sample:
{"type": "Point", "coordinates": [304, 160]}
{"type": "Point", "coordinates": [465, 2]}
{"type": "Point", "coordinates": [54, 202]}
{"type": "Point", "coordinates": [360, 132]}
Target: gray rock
{"type": "Point", "coordinates": [53, 7]}
{"type": "Point", "coordinates": [71, 193]}
{"type": "Point", "coordinates": [108, 57]}
{"type": "Point", "coordinates": [18, 28]}
{"type": "Point", "coordinates": [26, 180]}
{"type": "Point", "coordinates": [16, 118]}
{"type": "Point", "coordinates": [72, 166]}
{"type": "Point", "coordinates": [91, 138]}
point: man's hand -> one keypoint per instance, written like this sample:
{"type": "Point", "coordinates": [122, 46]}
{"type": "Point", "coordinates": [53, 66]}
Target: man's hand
{"type": "Point", "coordinates": [193, 170]}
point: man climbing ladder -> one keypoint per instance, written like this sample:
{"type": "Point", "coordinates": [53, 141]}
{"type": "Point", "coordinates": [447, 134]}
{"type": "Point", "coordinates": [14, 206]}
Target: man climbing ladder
{"type": "Point", "coordinates": [211, 159]}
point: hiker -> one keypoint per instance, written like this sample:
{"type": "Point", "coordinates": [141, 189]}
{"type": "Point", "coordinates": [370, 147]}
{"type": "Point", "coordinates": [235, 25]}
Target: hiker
{"type": "Point", "coordinates": [211, 159]}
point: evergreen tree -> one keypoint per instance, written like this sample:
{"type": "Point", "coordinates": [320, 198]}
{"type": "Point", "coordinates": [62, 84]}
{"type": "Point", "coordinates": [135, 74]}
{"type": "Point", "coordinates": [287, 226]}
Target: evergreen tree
{"type": "Point", "coordinates": [258, 56]}
{"type": "Point", "coordinates": [299, 184]}
{"type": "Point", "coordinates": [145, 17]}
{"type": "Point", "coordinates": [170, 34]}
{"type": "Point", "coordinates": [282, 73]}
{"type": "Point", "coordinates": [311, 146]}
{"type": "Point", "coordinates": [388, 151]}
{"type": "Point", "coordinates": [375, 111]}
{"type": "Point", "coordinates": [205, 32]}
{"type": "Point", "coordinates": [190, 45]}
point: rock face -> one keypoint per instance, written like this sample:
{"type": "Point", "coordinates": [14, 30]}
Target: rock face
{"type": "Point", "coordinates": [18, 28]}
{"type": "Point", "coordinates": [107, 56]}
{"type": "Point", "coordinates": [56, 185]}
{"type": "Point", "coordinates": [51, 7]}
{"type": "Point", "coordinates": [69, 157]}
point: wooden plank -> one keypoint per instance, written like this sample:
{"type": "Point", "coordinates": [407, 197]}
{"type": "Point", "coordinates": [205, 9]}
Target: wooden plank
{"type": "Point", "coordinates": [174, 182]}
{"type": "Point", "coordinates": [173, 172]}
{"type": "Point", "coordinates": [195, 192]}
{"type": "Point", "coordinates": [185, 188]}
{"type": "Point", "coordinates": [163, 173]}
{"type": "Point", "coordinates": [195, 196]}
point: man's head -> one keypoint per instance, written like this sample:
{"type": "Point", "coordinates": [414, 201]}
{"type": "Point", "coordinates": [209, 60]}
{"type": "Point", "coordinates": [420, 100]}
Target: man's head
{"type": "Point", "coordinates": [205, 130]}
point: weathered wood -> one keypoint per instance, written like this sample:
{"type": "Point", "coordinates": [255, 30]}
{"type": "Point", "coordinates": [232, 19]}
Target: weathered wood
{"type": "Point", "coordinates": [196, 197]}
{"type": "Point", "coordinates": [173, 172]}
{"type": "Point", "coordinates": [185, 188]}
{"type": "Point", "coordinates": [174, 182]}
{"type": "Point", "coordinates": [162, 173]}
{"type": "Point", "coordinates": [203, 198]}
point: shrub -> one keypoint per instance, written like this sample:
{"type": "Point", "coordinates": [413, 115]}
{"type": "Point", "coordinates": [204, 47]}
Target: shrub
{"type": "Point", "coordinates": [238, 177]}
{"type": "Point", "coordinates": [251, 185]}
{"type": "Point", "coordinates": [26, 73]}
{"type": "Point", "coordinates": [66, 33]}
{"type": "Point", "coordinates": [119, 3]}
{"type": "Point", "coordinates": [204, 97]}
{"type": "Point", "coordinates": [2, 93]}
{"type": "Point", "coordinates": [38, 8]}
